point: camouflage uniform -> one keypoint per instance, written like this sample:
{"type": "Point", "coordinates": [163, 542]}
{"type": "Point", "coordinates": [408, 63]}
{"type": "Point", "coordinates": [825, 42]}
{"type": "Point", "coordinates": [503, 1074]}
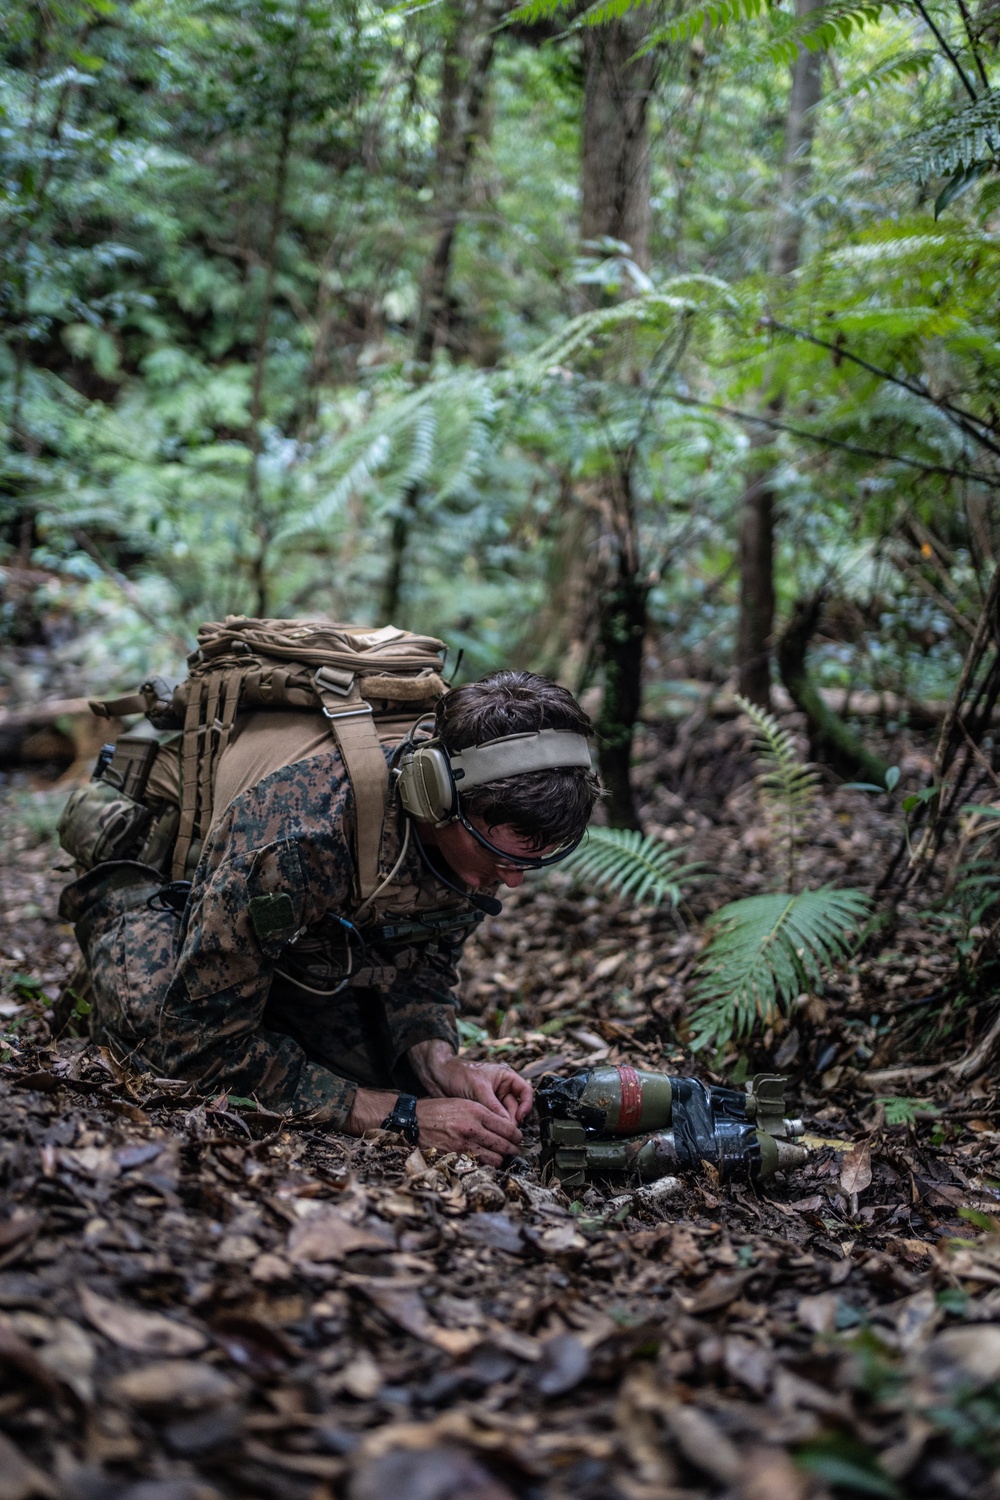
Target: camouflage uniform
{"type": "Point", "coordinates": [226, 994]}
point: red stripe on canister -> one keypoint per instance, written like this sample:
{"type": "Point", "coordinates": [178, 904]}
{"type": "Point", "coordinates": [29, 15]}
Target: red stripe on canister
{"type": "Point", "coordinates": [630, 1115]}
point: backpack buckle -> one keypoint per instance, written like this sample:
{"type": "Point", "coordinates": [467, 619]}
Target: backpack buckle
{"type": "Point", "coordinates": [334, 680]}
{"type": "Point", "coordinates": [348, 713]}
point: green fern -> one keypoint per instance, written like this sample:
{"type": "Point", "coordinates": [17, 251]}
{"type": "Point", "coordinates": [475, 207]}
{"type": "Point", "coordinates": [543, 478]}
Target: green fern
{"type": "Point", "coordinates": [763, 951]}
{"type": "Point", "coordinates": [657, 312]}
{"type": "Point", "coordinates": [970, 138]}
{"type": "Point", "coordinates": [787, 786]}
{"type": "Point", "coordinates": [621, 860]}
{"type": "Point", "coordinates": [436, 438]}
{"type": "Point", "coordinates": [898, 68]}
{"type": "Point", "coordinates": [824, 27]}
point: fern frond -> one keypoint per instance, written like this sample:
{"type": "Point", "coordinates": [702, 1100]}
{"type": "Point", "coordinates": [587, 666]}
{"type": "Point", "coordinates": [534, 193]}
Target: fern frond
{"type": "Point", "coordinates": [656, 311]}
{"type": "Point", "coordinates": [901, 65]}
{"type": "Point", "coordinates": [968, 138]}
{"type": "Point", "coordinates": [357, 478]}
{"type": "Point", "coordinates": [765, 950]}
{"type": "Point", "coordinates": [787, 785]}
{"type": "Point", "coordinates": [623, 861]}
{"type": "Point", "coordinates": [822, 28]}
{"type": "Point", "coordinates": [708, 16]}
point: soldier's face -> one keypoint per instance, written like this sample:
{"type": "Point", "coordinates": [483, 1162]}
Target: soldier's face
{"type": "Point", "coordinates": [475, 866]}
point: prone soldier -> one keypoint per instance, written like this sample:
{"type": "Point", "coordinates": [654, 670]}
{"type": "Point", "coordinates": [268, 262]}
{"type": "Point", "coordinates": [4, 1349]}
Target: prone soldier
{"type": "Point", "coordinates": [274, 973]}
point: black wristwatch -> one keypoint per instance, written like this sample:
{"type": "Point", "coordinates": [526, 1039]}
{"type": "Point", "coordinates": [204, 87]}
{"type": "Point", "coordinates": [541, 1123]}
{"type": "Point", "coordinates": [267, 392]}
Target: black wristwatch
{"type": "Point", "coordinates": [403, 1119]}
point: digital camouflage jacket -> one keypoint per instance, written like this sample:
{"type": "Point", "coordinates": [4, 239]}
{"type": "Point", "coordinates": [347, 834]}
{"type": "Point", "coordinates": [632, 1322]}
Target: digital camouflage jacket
{"type": "Point", "coordinates": [236, 994]}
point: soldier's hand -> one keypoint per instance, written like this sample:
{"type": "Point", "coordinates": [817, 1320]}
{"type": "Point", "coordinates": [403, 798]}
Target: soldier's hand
{"type": "Point", "coordinates": [463, 1125]}
{"type": "Point", "coordinates": [493, 1085]}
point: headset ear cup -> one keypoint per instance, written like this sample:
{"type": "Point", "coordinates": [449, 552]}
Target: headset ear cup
{"type": "Point", "coordinates": [427, 786]}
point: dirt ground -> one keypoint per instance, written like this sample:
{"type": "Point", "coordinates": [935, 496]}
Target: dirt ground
{"type": "Point", "coordinates": [198, 1302]}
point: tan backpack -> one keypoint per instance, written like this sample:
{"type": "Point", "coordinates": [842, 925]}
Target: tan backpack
{"type": "Point", "coordinates": [362, 680]}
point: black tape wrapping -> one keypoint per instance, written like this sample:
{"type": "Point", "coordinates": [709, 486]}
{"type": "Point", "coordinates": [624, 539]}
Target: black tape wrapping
{"type": "Point", "coordinates": [560, 1099]}
{"type": "Point", "coordinates": [710, 1124]}
{"type": "Point", "coordinates": [693, 1125]}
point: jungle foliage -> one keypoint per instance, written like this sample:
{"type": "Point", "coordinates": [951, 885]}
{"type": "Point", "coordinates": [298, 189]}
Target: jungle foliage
{"type": "Point", "coordinates": [299, 317]}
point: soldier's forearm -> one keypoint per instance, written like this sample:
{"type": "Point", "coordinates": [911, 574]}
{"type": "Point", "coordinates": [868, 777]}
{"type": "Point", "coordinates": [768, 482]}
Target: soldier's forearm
{"type": "Point", "coordinates": [369, 1109]}
{"type": "Point", "coordinates": [429, 1060]}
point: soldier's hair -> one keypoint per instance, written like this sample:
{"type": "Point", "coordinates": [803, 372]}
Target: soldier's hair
{"type": "Point", "coordinates": [547, 807]}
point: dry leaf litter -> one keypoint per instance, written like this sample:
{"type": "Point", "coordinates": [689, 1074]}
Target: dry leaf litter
{"type": "Point", "coordinates": [198, 1302]}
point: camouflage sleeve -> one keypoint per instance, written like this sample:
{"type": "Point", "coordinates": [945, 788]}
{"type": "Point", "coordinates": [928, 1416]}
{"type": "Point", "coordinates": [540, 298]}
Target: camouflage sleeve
{"type": "Point", "coordinates": [421, 1004]}
{"type": "Point", "coordinates": [244, 912]}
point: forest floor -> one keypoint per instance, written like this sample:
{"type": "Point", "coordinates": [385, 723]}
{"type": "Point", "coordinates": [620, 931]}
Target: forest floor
{"type": "Point", "coordinates": [198, 1302]}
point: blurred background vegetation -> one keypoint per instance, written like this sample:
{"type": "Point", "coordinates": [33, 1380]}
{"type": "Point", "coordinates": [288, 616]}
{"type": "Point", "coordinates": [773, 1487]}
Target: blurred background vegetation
{"type": "Point", "coordinates": [643, 346]}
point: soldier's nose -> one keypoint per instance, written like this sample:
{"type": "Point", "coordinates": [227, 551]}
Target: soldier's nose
{"type": "Point", "coordinates": [512, 878]}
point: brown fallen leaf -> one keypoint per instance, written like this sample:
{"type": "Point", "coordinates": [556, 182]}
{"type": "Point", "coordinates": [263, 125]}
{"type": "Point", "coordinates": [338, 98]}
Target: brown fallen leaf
{"type": "Point", "coordinates": [769, 1474]}
{"type": "Point", "coordinates": [749, 1363]}
{"type": "Point", "coordinates": [254, 1345]}
{"type": "Point", "coordinates": [564, 1362]}
{"type": "Point", "coordinates": [702, 1443]}
{"type": "Point", "coordinates": [405, 1306]}
{"type": "Point", "coordinates": [548, 1064]}
{"type": "Point", "coordinates": [97, 1162]}
{"type": "Point", "coordinates": [269, 1267]}
{"type": "Point", "coordinates": [188, 1384]}
{"type": "Point", "coordinates": [497, 1231]}
{"type": "Point", "coordinates": [856, 1173]}
{"type": "Point", "coordinates": [719, 1290]}
{"type": "Point", "coordinates": [818, 1314]}
{"type": "Point", "coordinates": [558, 1239]}
{"type": "Point", "coordinates": [916, 1318]}
{"type": "Point", "coordinates": [17, 1356]}
{"type": "Point", "coordinates": [312, 1465]}
{"type": "Point", "coordinates": [434, 1474]}
{"type": "Point", "coordinates": [18, 1234]}
{"type": "Point", "coordinates": [17, 1228]}
{"type": "Point", "coordinates": [361, 1377]}
{"type": "Point", "coordinates": [19, 1479]}
{"type": "Point", "coordinates": [328, 1235]}
{"type": "Point", "coordinates": [69, 1353]}
{"type": "Point", "coordinates": [963, 1358]}
{"type": "Point", "coordinates": [133, 1328]}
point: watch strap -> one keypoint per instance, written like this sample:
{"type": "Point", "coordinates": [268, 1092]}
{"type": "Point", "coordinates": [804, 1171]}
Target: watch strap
{"type": "Point", "coordinates": [402, 1118]}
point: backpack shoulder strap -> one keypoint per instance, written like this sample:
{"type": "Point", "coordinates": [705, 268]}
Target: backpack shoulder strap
{"type": "Point", "coordinates": [352, 724]}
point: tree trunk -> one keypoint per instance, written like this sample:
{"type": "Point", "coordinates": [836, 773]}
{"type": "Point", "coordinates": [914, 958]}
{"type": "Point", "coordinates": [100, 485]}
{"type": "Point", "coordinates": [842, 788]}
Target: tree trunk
{"type": "Point", "coordinates": [830, 738]}
{"type": "Point", "coordinates": [621, 637]}
{"type": "Point", "coordinates": [755, 630]}
{"type": "Point", "coordinates": [259, 520]}
{"type": "Point", "coordinates": [615, 136]}
{"type": "Point", "coordinates": [756, 557]}
{"type": "Point", "coordinates": [800, 127]}
{"type": "Point", "coordinates": [616, 206]}
{"type": "Point", "coordinates": [469, 49]}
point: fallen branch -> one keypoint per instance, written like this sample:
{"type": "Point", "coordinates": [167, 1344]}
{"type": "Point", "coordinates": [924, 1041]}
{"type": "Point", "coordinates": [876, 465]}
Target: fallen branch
{"type": "Point", "coordinates": [964, 1069]}
{"type": "Point", "coordinates": [977, 1061]}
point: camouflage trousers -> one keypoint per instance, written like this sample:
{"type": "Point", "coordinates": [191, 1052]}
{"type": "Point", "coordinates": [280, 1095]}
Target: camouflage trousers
{"type": "Point", "coordinates": [131, 948]}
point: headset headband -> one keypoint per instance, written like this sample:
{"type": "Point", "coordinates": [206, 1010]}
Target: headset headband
{"type": "Point", "coordinates": [516, 755]}
{"type": "Point", "coordinates": [430, 779]}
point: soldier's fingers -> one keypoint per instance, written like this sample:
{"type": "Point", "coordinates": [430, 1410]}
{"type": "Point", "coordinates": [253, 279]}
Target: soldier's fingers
{"type": "Point", "coordinates": [517, 1091]}
{"type": "Point", "coordinates": [484, 1093]}
{"type": "Point", "coordinates": [500, 1125]}
{"type": "Point", "coordinates": [488, 1146]}
{"type": "Point", "coordinates": [490, 1158]}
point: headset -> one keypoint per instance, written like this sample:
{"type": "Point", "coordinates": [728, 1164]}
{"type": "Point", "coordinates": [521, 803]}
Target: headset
{"type": "Point", "coordinates": [430, 778]}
